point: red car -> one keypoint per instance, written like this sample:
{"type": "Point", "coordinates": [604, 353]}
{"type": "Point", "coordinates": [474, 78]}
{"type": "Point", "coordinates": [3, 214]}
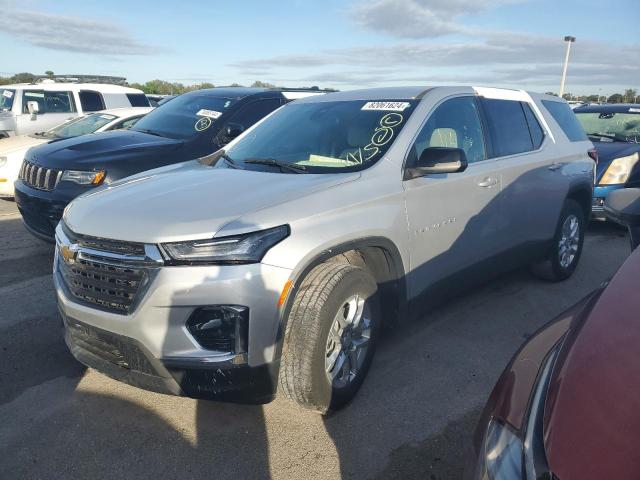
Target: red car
{"type": "Point", "coordinates": [568, 405]}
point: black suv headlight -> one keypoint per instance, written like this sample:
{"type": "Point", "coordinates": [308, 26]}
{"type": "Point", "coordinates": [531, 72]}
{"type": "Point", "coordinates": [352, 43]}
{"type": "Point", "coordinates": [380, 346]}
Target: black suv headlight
{"type": "Point", "coordinates": [247, 248]}
{"type": "Point", "coordinates": [505, 454]}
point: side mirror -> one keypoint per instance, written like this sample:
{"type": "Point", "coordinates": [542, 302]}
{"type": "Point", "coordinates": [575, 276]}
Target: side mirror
{"type": "Point", "coordinates": [232, 130]}
{"type": "Point", "coordinates": [439, 160]}
{"type": "Point", "coordinates": [623, 207]}
{"type": "Point", "coordinates": [33, 107]}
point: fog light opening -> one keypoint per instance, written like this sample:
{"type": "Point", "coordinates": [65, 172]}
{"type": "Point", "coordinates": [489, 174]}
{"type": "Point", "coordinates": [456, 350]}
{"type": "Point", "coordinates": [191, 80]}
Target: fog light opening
{"type": "Point", "coordinates": [223, 328]}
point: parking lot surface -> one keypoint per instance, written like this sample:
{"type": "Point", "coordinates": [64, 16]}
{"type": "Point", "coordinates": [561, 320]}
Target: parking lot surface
{"type": "Point", "coordinates": [413, 417]}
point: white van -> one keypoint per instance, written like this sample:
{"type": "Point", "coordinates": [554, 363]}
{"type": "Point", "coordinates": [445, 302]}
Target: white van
{"type": "Point", "coordinates": [35, 107]}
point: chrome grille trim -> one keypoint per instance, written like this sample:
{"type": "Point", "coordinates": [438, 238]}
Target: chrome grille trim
{"type": "Point", "coordinates": [41, 178]}
{"type": "Point", "coordinates": [103, 279]}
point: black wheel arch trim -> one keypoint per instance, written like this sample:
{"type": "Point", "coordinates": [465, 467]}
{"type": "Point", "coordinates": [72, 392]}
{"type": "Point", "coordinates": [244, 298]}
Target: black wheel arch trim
{"type": "Point", "coordinates": [394, 260]}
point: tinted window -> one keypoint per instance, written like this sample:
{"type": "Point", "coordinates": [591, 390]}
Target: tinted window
{"type": "Point", "coordinates": [138, 99]}
{"type": "Point", "coordinates": [455, 124]}
{"type": "Point", "coordinates": [508, 127]}
{"type": "Point", "coordinates": [564, 116]}
{"type": "Point", "coordinates": [129, 122]}
{"type": "Point", "coordinates": [250, 113]}
{"type": "Point", "coordinates": [91, 101]}
{"type": "Point", "coordinates": [537, 135]}
{"type": "Point", "coordinates": [186, 116]}
{"type": "Point", "coordinates": [49, 102]}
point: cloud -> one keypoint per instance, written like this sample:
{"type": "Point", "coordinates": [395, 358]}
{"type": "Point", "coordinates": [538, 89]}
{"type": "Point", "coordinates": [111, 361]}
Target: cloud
{"type": "Point", "coordinates": [418, 18]}
{"type": "Point", "coordinates": [69, 33]}
{"type": "Point", "coordinates": [500, 59]}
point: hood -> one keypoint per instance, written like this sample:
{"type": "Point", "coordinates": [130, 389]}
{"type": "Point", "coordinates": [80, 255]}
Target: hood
{"type": "Point", "coordinates": [592, 412]}
{"type": "Point", "coordinates": [608, 151]}
{"type": "Point", "coordinates": [20, 142]}
{"type": "Point", "coordinates": [97, 150]}
{"type": "Point", "coordinates": [187, 201]}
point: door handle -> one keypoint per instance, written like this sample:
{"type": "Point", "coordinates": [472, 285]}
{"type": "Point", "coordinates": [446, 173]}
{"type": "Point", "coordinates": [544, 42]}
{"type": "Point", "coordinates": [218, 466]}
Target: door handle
{"type": "Point", "coordinates": [488, 182]}
{"type": "Point", "coordinates": [555, 166]}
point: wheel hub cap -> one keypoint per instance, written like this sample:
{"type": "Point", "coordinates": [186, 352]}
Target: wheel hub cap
{"type": "Point", "coordinates": [348, 341]}
{"type": "Point", "coordinates": [569, 242]}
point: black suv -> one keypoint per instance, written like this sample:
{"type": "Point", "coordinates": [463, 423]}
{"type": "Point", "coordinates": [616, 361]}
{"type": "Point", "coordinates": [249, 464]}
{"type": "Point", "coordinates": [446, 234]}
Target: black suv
{"type": "Point", "coordinates": [192, 125]}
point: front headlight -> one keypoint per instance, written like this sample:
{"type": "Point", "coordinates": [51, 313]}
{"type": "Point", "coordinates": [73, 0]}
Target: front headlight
{"type": "Point", "coordinates": [82, 177]}
{"type": "Point", "coordinates": [247, 248]}
{"type": "Point", "coordinates": [502, 456]}
{"type": "Point", "coordinates": [3, 161]}
{"type": "Point", "coordinates": [619, 170]}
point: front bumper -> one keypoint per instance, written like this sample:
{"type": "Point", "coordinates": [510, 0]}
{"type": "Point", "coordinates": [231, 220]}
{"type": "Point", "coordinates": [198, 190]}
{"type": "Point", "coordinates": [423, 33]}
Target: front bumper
{"type": "Point", "coordinates": [600, 194]}
{"type": "Point", "coordinates": [151, 347]}
{"type": "Point", "coordinates": [41, 210]}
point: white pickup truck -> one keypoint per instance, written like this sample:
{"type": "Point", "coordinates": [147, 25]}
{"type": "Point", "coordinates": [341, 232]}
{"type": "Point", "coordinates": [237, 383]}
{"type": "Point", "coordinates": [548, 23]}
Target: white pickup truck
{"type": "Point", "coordinates": [35, 107]}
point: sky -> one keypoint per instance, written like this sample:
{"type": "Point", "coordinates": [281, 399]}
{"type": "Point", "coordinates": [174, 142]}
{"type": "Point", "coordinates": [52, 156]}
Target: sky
{"type": "Point", "coordinates": [338, 44]}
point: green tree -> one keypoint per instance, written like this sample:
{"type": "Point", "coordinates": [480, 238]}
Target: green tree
{"type": "Point", "coordinates": [630, 95]}
{"type": "Point", "coordinates": [615, 98]}
{"type": "Point", "coordinates": [49, 74]}
{"type": "Point", "coordinates": [260, 84]}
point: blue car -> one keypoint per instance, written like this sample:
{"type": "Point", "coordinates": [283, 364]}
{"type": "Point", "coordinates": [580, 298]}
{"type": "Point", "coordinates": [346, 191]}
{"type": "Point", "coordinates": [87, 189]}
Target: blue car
{"type": "Point", "coordinates": [615, 132]}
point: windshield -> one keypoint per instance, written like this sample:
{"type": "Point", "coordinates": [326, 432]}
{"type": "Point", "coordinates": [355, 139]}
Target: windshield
{"type": "Point", "coordinates": [6, 99]}
{"type": "Point", "coordinates": [184, 117]}
{"type": "Point", "coordinates": [624, 127]}
{"type": "Point", "coordinates": [79, 126]}
{"type": "Point", "coordinates": [323, 137]}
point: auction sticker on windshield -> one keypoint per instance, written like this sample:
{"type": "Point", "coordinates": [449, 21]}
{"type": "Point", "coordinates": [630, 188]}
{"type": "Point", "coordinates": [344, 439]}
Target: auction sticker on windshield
{"type": "Point", "coordinates": [386, 106]}
{"type": "Point", "coordinates": [7, 93]}
{"type": "Point", "coordinates": [208, 113]}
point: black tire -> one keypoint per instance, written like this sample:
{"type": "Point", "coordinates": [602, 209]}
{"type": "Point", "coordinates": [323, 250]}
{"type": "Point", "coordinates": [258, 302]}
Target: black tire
{"type": "Point", "coordinates": [325, 291]}
{"type": "Point", "coordinates": [551, 268]}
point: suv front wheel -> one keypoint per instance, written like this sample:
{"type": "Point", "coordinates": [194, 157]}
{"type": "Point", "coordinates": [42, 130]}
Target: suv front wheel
{"type": "Point", "coordinates": [330, 336]}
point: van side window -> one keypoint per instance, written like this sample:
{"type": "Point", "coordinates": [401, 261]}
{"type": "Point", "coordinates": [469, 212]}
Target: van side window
{"type": "Point", "coordinates": [91, 101]}
{"type": "Point", "coordinates": [456, 124]}
{"type": "Point", "coordinates": [564, 116]}
{"type": "Point", "coordinates": [508, 127]}
{"type": "Point", "coordinates": [138, 100]}
{"type": "Point", "coordinates": [537, 134]}
{"type": "Point", "coordinates": [49, 102]}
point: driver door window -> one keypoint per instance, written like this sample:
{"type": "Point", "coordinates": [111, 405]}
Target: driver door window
{"type": "Point", "coordinates": [454, 124]}
{"type": "Point", "coordinates": [49, 102]}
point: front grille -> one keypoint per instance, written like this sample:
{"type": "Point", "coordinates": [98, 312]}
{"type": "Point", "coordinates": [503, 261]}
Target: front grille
{"type": "Point", "coordinates": [105, 274]}
{"type": "Point", "coordinates": [111, 287]}
{"type": "Point", "coordinates": [38, 177]}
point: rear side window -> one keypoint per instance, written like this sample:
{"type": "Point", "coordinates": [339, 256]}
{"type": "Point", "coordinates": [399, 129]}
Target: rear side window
{"type": "Point", "coordinates": [537, 134]}
{"type": "Point", "coordinates": [564, 116]}
{"type": "Point", "coordinates": [508, 127]}
{"type": "Point", "coordinates": [250, 113]}
{"type": "Point", "coordinates": [49, 102]}
{"type": "Point", "coordinates": [91, 101]}
{"type": "Point", "coordinates": [138, 99]}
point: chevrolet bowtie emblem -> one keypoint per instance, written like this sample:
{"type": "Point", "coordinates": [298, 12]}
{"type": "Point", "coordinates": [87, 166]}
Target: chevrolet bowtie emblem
{"type": "Point", "coordinates": [69, 252]}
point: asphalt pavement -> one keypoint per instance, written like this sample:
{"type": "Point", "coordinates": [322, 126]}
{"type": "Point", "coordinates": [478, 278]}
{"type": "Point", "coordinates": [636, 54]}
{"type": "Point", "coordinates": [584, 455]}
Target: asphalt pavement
{"type": "Point", "coordinates": [413, 417]}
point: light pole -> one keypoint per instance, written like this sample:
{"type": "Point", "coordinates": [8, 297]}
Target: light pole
{"type": "Point", "coordinates": [569, 41]}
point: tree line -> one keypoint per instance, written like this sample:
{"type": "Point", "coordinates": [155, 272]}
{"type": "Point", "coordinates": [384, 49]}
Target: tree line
{"type": "Point", "coordinates": [163, 87]}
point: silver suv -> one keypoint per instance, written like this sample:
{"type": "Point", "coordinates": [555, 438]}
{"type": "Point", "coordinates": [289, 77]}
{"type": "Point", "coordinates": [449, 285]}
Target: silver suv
{"type": "Point", "coordinates": [275, 263]}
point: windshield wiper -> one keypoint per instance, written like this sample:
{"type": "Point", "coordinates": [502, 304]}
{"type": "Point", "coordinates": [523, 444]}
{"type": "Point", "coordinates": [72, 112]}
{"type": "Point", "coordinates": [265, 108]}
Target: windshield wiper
{"type": "Point", "coordinates": [230, 161]}
{"type": "Point", "coordinates": [292, 167]}
{"type": "Point", "coordinates": [150, 132]}
{"type": "Point", "coordinates": [605, 135]}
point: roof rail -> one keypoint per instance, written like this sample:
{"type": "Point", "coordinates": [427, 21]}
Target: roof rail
{"type": "Point", "coordinates": [304, 89]}
{"type": "Point", "coordinates": [82, 78]}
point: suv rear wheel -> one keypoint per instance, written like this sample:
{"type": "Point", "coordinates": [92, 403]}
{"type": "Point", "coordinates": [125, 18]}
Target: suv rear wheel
{"type": "Point", "coordinates": [566, 249]}
{"type": "Point", "coordinates": [330, 337]}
